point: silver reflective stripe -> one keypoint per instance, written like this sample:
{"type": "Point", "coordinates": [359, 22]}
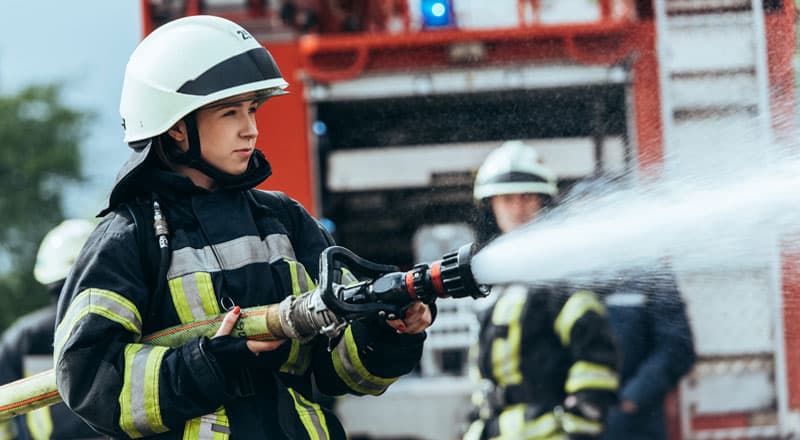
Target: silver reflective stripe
{"type": "Point", "coordinates": [230, 255]}
{"type": "Point", "coordinates": [192, 295]}
{"type": "Point", "coordinates": [138, 395]}
{"type": "Point", "coordinates": [622, 299]}
{"type": "Point", "coordinates": [310, 416]}
{"type": "Point", "coordinates": [302, 278]}
{"type": "Point", "coordinates": [108, 304]}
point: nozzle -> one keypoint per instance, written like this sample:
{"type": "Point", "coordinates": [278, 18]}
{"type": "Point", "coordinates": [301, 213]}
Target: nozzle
{"type": "Point", "coordinates": [449, 277]}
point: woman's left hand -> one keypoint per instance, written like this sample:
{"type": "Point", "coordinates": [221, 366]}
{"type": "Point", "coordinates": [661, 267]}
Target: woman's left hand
{"type": "Point", "coordinates": [418, 318]}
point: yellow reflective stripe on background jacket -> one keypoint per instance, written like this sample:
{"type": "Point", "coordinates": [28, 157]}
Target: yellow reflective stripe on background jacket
{"type": "Point", "coordinates": [506, 351]}
{"type": "Point", "coordinates": [585, 375]}
{"type": "Point", "coordinates": [578, 304]}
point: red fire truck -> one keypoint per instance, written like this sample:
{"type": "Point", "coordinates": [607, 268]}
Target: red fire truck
{"type": "Point", "coordinates": [394, 103]}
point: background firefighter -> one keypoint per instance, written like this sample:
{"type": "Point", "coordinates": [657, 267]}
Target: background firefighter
{"type": "Point", "coordinates": [27, 346]}
{"type": "Point", "coordinates": [199, 80]}
{"type": "Point", "coordinates": [545, 353]}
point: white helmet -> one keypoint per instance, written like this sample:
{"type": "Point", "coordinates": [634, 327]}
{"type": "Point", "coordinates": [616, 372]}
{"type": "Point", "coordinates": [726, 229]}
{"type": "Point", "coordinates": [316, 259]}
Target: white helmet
{"type": "Point", "coordinates": [59, 249]}
{"type": "Point", "coordinates": [186, 64]}
{"type": "Point", "coordinates": [514, 168]}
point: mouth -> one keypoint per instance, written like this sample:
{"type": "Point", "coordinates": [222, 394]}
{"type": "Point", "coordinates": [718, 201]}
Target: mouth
{"type": "Point", "coordinates": [243, 151]}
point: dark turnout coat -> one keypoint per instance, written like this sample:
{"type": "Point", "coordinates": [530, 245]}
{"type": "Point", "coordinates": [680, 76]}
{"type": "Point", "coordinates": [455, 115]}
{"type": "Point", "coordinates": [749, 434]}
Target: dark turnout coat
{"type": "Point", "coordinates": [226, 248]}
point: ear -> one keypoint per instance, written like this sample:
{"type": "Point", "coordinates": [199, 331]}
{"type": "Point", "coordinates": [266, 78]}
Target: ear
{"type": "Point", "coordinates": [178, 131]}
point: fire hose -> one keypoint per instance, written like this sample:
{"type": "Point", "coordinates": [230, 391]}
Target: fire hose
{"type": "Point", "coordinates": [383, 292]}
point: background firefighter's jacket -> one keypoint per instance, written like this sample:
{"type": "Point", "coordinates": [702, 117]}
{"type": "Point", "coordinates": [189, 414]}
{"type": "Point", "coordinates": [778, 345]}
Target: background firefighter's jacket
{"type": "Point", "coordinates": [550, 357]}
{"type": "Point", "coordinates": [27, 349]}
{"type": "Point", "coordinates": [226, 249]}
{"type": "Point", "coordinates": [649, 320]}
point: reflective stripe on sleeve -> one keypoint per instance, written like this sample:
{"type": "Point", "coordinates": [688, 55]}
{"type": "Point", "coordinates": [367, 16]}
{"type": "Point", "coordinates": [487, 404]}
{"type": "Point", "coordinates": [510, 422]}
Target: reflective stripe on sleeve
{"type": "Point", "coordinates": [352, 371]}
{"type": "Point", "coordinates": [299, 354]}
{"type": "Point", "coordinates": [513, 425]}
{"type": "Point", "coordinates": [589, 375]}
{"type": "Point", "coordinates": [40, 423]}
{"type": "Point", "coordinates": [311, 416]}
{"type": "Point", "coordinates": [573, 424]}
{"type": "Point", "coordinates": [193, 297]}
{"type": "Point", "coordinates": [105, 303]}
{"type": "Point", "coordinates": [506, 351]}
{"type": "Point", "coordinates": [214, 426]}
{"type": "Point", "coordinates": [578, 304]}
{"type": "Point", "coordinates": [140, 410]}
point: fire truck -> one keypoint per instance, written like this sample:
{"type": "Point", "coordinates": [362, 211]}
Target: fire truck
{"type": "Point", "coordinates": [394, 103]}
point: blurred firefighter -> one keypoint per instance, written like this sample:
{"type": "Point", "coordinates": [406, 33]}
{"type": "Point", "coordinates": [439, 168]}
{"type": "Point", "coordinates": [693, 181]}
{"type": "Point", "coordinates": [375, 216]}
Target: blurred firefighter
{"type": "Point", "coordinates": [545, 354]}
{"type": "Point", "coordinates": [189, 101]}
{"type": "Point", "coordinates": [649, 321]}
{"type": "Point", "coordinates": [27, 346]}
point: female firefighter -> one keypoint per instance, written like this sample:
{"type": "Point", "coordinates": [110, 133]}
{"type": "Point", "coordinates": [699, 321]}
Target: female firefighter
{"type": "Point", "coordinates": [189, 98]}
{"type": "Point", "coordinates": [545, 354]}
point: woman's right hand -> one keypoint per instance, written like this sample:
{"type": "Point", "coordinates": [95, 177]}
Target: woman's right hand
{"type": "Point", "coordinates": [255, 347]}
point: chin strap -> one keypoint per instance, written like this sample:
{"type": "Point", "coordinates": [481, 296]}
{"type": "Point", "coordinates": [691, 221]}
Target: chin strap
{"type": "Point", "coordinates": [258, 168]}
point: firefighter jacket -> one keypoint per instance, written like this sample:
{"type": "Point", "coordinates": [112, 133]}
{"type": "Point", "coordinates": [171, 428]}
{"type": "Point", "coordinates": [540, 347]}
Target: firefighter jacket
{"type": "Point", "coordinates": [226, 249]}
{"type": "Point", "coordinates": [550, 363]}
{"type": "Point", "coordinates": [648, 318]}
{"type": "Point", "coordinates": [27, 349]}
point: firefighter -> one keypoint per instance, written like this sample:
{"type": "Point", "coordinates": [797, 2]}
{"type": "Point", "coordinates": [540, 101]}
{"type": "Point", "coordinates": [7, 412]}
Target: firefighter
{"type": "Point", "coordinates": [649, 321]}
{"type": "Point", "coordinates": [545, 354]}
{"type": "Point", "coordinates": [189, 98]}
{"type": "Point", "coordinates": [27, 346]}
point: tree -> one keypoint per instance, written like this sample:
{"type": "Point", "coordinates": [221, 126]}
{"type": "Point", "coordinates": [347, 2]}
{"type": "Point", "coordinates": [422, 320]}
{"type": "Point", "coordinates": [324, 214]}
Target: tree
{"type": "Point", "coordinates": [39, 152]}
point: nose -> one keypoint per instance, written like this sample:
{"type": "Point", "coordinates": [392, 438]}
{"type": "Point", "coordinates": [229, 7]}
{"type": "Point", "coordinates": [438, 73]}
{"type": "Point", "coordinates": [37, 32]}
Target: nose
{"type": "Point", "coordinates": [250, 129]}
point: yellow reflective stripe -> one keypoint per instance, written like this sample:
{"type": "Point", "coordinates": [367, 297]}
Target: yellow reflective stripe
{"type": "Point", "coordinates": [589, 375]}
{"type": "Point", "coordinates": [352, 371]}
{"type": "Point", "coordinates": [475, 430]}
{"type": "Point", "coordinates": [299, 359]}
{"type": "Point", "coordinates": [578, 304]}
{"type": "Point", "coordinates": [40, 424]}
{"type": "Point", "coordinates": [544, 426]}
{"type": "Point", "coordinates": [7, 430]}
{"type": "Point", "coordinates": [348, 278]}
{"type": "Point", "coordinates": [311, 416]}
{"type": "Point", "coordinates": [193, 296]}
{"type": "Point", "coordinates": [179, 300]}
{"type": "Point", "coordinates": [299, 354]}
{"type": "Point", "coordinates": [513, 426]}
{"type": "Point", "coordinates": [214, 426]}
{"type": "Point", "coordinates": [506, 351]}
{"type": "Point", "coordinates": [105, 303]}
{"type": "Point", "coordinates": [205, 290]}
{"type": "Point", "coordinates": [573, 424]}
{"type": "Point", "coordinates": [140, 409]}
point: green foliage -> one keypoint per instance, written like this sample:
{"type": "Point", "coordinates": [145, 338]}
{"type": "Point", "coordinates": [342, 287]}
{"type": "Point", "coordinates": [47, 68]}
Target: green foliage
{"type": "Point", "coordinates": [39, 152]}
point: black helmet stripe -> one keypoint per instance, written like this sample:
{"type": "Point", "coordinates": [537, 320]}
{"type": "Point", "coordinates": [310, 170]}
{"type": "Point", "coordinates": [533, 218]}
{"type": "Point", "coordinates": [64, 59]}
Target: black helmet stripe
{"type": "Point", "coordinates": [247, 67]}
{"type": "Point", "coordinates": [516, 176]}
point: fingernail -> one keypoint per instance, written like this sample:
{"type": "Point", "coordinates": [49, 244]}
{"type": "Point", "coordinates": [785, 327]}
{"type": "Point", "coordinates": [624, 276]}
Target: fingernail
{"type": "Point", "coordinates": [236, 310]}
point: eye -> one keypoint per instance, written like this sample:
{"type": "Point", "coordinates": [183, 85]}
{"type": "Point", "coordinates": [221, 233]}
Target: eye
{"type": "Point", "coordinates": [253, 108]}
{"type": "Point", "coordinates": [229, 113]}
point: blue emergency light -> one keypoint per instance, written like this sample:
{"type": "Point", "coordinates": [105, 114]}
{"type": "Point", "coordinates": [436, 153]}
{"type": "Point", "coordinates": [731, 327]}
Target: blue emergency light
{"type": "Point", "coordinates": [437, 13]}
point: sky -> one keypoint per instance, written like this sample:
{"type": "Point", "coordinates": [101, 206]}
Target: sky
{"type": "Point", "coordinates": [85, 45]}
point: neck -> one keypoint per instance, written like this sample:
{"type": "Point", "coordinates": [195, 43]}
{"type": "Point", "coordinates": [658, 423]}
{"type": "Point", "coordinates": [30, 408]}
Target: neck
{"type": "Point", "coordinates": [197, 177]}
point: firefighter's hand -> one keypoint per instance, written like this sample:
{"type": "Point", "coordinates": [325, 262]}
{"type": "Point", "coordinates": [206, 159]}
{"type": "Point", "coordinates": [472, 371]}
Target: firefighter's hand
{"type": "Point", "coordinates": [254, 346]}
{"type": "Point", "coordinates": [418, 318]}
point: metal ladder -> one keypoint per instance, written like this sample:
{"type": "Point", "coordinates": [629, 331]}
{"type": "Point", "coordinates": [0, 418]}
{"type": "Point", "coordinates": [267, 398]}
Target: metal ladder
{"type": "Point", "coordinates": [715, 108]}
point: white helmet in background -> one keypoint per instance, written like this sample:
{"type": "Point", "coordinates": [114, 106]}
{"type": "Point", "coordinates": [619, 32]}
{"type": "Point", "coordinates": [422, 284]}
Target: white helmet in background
{"type": "Point", "coordinates": [59, 249]}
{"type": "Point", "coordinates": [514, 168]}
{"type": "Point", "coordinates": [186, 64]}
